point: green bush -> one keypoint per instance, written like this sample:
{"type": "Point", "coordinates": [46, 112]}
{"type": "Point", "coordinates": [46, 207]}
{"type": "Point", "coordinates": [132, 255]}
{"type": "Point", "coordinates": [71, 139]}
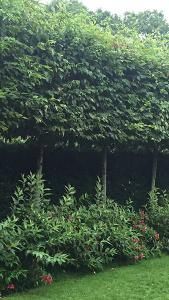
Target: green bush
{"type": "Point", "coordinates": [80, 232]}
{"type": "Point", "coordinates": [158, 215]}
{"type": "Point", "coordinates": [27, 236]}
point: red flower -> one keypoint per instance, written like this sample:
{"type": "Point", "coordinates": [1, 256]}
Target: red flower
{"type": "Point", "coordinates": [11, 286]}
{"type": "Point", "coordinates": [156, 236]}
{"type": "Point", "coordinates": [47, 279]}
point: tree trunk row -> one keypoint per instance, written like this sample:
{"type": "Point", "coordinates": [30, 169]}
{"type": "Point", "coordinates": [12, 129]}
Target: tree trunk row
{"type": "Point", "coordinates": [104, 168]}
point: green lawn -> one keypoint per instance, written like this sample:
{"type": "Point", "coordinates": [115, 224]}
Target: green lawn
{"type": "Point", "coordinates": [147, 280]}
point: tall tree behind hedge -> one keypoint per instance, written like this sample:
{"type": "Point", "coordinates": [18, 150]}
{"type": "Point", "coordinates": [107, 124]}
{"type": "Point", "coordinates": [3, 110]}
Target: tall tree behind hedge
{"type": "Point", "coordinates": [146, 22]}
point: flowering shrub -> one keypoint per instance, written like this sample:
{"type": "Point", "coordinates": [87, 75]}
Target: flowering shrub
{"type": "Point", "coordinates": [84, 233]}
{"type": "Point", "coordinates": [148, 242]}
{"type": "Point", "coordinates": [47, 279]}
{"type": "Point", "coordinates": [158, 216]}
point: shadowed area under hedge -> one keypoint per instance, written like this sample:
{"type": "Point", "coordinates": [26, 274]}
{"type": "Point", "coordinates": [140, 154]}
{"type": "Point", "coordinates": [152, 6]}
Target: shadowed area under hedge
{"type": "Point", "coordinates": [128, 174]}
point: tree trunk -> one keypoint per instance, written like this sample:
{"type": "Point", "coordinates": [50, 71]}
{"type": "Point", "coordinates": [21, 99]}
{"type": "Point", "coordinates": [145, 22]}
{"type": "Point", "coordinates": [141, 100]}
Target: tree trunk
{"type": "Point", "coordinates": [104, 173]}
{"type": "Point", "coordinates": [40, 160]}
{"type": "Point", "coordinates": [154, 171]}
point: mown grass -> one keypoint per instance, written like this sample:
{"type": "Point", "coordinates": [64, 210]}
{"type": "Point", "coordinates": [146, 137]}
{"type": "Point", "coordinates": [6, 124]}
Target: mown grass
{"type": "Point", "coordinates": [146, 280]}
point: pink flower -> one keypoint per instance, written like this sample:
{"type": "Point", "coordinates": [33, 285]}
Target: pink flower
{"type": "Point", "coordinates": [11, 286]}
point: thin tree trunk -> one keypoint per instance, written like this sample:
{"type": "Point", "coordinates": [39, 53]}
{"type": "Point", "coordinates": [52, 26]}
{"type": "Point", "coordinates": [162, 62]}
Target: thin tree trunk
{"type": "Point", "coordinates": [154, 171]}
{"type": "Point", "coordinates": [40, 160]}
{"type": "Point", "coordinates": [104, 173]}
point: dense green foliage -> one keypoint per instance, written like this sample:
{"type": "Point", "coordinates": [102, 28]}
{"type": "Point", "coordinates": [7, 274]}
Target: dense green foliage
{"type": "Point", "coordinates": [53, 72]}
{"type": "Point", "coordinates": [82, 233]}
{"type": "Point", "coordinates": [69, 82]}
{"type": "Point", "coordinates": [146, 22]}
